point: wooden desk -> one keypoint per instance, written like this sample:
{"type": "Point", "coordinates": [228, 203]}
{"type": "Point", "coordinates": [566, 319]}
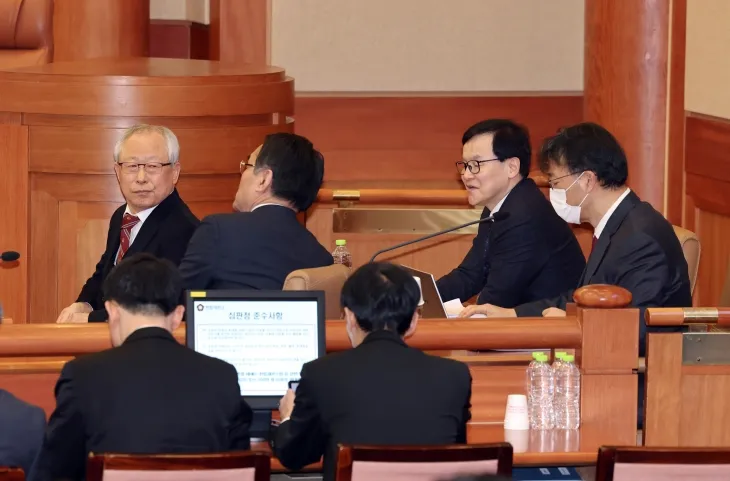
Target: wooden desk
{"type": "Point", "coordinates": [531, 448]}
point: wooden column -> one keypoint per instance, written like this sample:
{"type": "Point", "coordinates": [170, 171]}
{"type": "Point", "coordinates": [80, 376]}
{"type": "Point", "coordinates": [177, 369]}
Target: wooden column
{"type": "Point", "coordinates": [100, 28]}
{"type": "Point", "coordinates": [634, 86]}
{"type": "Point", "coordinates": [240, 31]}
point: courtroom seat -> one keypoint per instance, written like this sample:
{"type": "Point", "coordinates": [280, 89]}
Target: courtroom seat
{"type": "Point", "coordinates": [11, 474]}
{"type": "Point", "coordinates": [329, 279]}
{"type": "Point", "coordinates": [662, 464]}
{"type": "Point", "coordinates": [232, 466]}
{"type": "Point", "coordinates": [421, 463]}
{"type": "Point", "coordinates": [26, 33]}
{"type": "Point", "coordinates": [692, 249]}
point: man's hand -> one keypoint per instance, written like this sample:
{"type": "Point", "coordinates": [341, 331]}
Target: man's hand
{"type": "Point", "coordinates": [286, 404]}
{"type": "Point", "coordinates": [488, 310]}
{"type": "Point", "coordinates": [553, 312]}
{"type": "Point", "coordinates": [74, 312]}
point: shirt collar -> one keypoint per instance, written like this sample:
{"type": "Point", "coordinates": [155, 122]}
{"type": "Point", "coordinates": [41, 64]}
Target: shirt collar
{"type": "Point", "coordinates": [268, 203]}
{"type": "Point", "coordinates": [499, 204]}
{"type": "Point", "coordinates": [604, 220]}
{"type": "Point", "coordinates": [141, 215]}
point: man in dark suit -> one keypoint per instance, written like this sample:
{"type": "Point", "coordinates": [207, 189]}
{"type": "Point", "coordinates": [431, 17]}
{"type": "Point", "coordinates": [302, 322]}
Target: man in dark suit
{"type": "Point", "coordinates": [21, 432]}
{"type": "Point", "coordinates": [531, 254]}
{"type": "Point", "coordinates": [381, 392]}
{"type": "Point", "coordinates": [260, 244]}
{"type": "Point", "coordinates": [635, 247]}
{"type": "Point", "coordinates": [154, 218]}
{"type": "Point", "coordinates": [149, 394]}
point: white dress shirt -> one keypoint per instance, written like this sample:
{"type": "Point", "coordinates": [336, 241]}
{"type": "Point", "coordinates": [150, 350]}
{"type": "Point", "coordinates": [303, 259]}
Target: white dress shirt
{"type": "Point", "coordinates": [604, 220]}
{"type": "Point", "coordinates": [142, 216]}
{"type": "Point", "coordinates": [499, 204]}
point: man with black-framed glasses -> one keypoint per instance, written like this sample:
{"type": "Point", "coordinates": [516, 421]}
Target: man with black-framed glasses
{"type": "Point", "coordinates": [263, 241]}
{"type": "Point", "coordinates": [526, 256]}
{"type": "Point", "coordinates": [154, 219]}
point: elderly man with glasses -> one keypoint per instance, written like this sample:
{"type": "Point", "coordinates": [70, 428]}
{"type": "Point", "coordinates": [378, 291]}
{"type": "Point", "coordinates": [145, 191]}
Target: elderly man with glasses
{"type": "Point", "coordinates": [154, 218]}
{"type": "Point", "coordinates": [529, 255]}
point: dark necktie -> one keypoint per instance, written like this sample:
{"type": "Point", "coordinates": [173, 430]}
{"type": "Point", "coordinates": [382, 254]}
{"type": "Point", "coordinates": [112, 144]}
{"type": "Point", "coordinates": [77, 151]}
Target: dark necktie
{"type": "Point", "coordinates": [128, 222]}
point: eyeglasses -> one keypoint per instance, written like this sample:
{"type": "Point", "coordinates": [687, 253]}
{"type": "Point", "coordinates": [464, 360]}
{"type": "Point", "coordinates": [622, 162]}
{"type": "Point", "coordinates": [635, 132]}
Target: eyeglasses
{"type": "Point", "coordinates": [243, 166]}
{"type": "Point", "coordinates": [552, 182]}
{"type": "Point", "coordinates": [473, 165]}
{"type": "Point", "coordinates": [151, 168]}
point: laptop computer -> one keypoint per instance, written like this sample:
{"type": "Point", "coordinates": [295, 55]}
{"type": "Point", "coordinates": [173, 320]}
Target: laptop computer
{"type": "Point", "coordinates": [433, 306]}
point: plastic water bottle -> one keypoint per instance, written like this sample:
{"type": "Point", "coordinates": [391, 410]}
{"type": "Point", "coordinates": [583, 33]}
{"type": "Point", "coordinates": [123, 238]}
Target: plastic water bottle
{"type": "Point", "coordinates": [567, 394]}
{"type": "Point", "coordinates": [558, 368]}
{"type": "Point", "coordinates": [540, 392]}
{"type": "Point", "coordinates": [341, 255]}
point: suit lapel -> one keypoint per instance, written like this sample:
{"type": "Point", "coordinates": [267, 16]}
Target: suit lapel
{"type": "Point", "coordinates": [614, 222]}
{"type": "Point", "coordinates": [153, 224]}
{"type": "Point", "coordinates": [115, 231]}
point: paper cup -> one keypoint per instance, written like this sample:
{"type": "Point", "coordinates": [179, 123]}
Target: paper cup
{"type": "Point", "coordinates": [516, 416]}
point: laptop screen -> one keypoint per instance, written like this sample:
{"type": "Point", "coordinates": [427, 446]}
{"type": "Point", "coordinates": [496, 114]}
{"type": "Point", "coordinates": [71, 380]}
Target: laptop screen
{"type": "Point", "coordinates": [266, 335]}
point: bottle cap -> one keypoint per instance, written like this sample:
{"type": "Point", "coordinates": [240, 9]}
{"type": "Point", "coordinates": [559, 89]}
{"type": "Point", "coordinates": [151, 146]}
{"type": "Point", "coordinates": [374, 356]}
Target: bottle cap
{"type": "Point", "coordinates": [340, 242]}
{"type": "Point", "coordinates": [536, 355]}
{"type": "Point", "coordinates": [569, 358]}
{"type": "Point", "coordinates": [543, 357]}
{"type": "Point", "coordinates": [560, 355]}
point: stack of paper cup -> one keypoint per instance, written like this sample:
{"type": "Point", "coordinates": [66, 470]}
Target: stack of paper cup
{"type": "Point", "coordinates": [516, 417]}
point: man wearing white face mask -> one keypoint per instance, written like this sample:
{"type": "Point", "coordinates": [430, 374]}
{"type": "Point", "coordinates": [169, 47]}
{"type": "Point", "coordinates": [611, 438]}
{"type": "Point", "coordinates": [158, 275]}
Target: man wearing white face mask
{"type": "Point", "coordinates": [381, 391]}
{"type": "Point", "coordinates": [634, 246]}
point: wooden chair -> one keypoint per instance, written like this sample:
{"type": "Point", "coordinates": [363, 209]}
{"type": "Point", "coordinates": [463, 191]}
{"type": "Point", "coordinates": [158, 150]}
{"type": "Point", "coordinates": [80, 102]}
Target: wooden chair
{"type": "Point", "coordinates": [662, 464]}
{"type": "Point", "coordinates": [233, 466]}
{"type": "Point", "coordinates": [421, 463]}
{"type": "Point", "coordinates": [11, 474]}
{"type": "Point", "coordinates": [329, 279]}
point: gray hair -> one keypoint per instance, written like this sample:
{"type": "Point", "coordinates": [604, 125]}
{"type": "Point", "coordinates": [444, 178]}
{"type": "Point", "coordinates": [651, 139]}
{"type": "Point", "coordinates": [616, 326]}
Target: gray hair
{"type": "Point", "coordinates": [173, 146]}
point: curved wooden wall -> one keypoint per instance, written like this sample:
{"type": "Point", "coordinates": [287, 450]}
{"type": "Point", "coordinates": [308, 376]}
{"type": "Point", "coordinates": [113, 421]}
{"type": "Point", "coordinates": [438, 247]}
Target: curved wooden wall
{"type": "Point", "coordinates": [59, 126]}
{"type": "Point", "coordinates": [100, 28]}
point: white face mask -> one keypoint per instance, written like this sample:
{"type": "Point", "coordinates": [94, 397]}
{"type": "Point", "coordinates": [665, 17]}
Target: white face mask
{"type": "Point", "coordinates": [558, 198]}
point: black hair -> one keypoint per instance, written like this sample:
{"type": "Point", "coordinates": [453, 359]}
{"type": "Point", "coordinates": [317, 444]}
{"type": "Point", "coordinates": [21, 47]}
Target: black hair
{"type": "Point", "coordinates": [297, 168]}
{"type": "Point", "coordinates": [144, 284]}
{"type": "Point", "coordinates": [587, 147]}
{"type": "Point", "coordinates": [382, 296]}
{"type": "Point", "coordinates": [509, 140]}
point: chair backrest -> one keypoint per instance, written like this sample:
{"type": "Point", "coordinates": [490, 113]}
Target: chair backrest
{"type": "Point", "coordinates": [11, 474]}
{"type": "Point", "coordinates": [662, 464]}
{"type": "Point", "coordinates": [231, 466]}
{"type": "Point", "coordinates": [421, 463]}
{"type": "Point", "coordinates": [26, 33]}
{"type": "Point", "coordinates": [692, 249]}
{"type": "Point", "coordinates": [329, 279]}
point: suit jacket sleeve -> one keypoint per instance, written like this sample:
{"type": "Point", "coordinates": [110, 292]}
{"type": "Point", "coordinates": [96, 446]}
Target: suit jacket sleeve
{"type": "Point", "coordinates": [36, 427]}
{"type": "Point", "coordinates": [199, 263]}
{"type": "Point", "coordinates": [534, 309]}
{"type": "Point", "coordinates": [516, 257]}
{"type": "Point", "coordinates": [301, 440]}
{"type": "Point", "coordinates": [468, 279]}
{"type": "Point", "coordinates": [63, 454]}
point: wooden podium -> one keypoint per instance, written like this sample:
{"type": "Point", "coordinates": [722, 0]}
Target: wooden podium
{"type": "Point", "coordinates": [58, 126]}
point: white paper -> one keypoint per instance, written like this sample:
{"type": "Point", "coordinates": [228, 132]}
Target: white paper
{"type": "Point", "coordinates": [454, 307]}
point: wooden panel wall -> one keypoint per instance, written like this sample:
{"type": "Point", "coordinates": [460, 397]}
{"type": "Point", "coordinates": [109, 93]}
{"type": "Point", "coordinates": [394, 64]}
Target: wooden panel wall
{"type": "Point", "coordinates": [415, 138]}
{"type": "Point", "coordinates": [707, 206]}
{"type": "Point", "coordinates": [179, 39]}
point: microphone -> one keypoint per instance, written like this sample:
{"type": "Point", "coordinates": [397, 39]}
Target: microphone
{"type": "Point", "coordinates": [492, 218]}
{"type": "Point", "coordinates": [9, 256]}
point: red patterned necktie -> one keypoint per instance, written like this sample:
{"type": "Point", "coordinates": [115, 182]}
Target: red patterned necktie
{"type": "Point", "coordinates": [128, 222]}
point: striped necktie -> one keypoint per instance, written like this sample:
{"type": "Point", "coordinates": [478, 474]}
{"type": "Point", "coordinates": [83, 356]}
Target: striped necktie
{"type": "Point", "coordinates": [128, 222]}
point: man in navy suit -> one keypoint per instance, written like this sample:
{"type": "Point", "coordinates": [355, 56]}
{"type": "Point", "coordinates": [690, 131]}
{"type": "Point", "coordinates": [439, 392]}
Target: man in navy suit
{"type": "Point", "coordinates": [529, 255]}
{"type": "Point", "coordinates": [257, 247]}
{"type": "Point", "coordinates": [21, 432]}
